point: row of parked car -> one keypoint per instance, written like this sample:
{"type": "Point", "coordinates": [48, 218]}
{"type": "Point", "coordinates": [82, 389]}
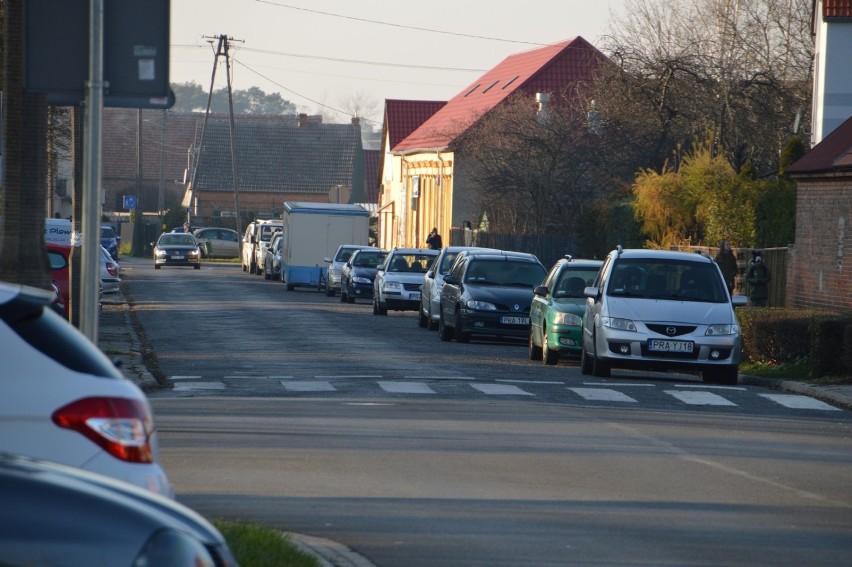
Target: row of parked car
{"type": "Point", "coordinates": [637, 309]}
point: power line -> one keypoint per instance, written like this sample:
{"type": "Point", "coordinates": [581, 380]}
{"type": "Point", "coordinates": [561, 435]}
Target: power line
{"type": "Point", "coordinates": [279, 85]}
{"type": "Point", "coordinates": [391, 24]}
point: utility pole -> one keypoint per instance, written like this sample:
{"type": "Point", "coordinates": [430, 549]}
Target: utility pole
{"type": "Point", "coordinates": [222, 50]}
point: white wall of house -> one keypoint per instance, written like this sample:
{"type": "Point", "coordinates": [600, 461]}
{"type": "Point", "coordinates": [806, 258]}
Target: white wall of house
{"type": "Point", "coordinates": [832, 99]}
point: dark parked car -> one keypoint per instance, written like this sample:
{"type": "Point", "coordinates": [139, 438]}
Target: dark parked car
{"type": "Point", "coordinates": [272, 260]}
{"type": "Point", "coordinates": [556, 314]}
{"type": "Point", "coordinates": [489, 293]}
{"type": "Point", "coordinates": [109, 240]}
{"type": "Point", "coordinates": [58, 515]}
{"type": "Point", "coordinates": [176, 249]}
{"type": "Point", "coordinates": [359, 273]}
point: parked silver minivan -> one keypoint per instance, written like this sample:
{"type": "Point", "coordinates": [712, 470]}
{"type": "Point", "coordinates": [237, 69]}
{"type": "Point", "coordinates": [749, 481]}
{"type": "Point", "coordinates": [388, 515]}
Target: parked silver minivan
{"type": "Point", "coordinates": [661, 310]}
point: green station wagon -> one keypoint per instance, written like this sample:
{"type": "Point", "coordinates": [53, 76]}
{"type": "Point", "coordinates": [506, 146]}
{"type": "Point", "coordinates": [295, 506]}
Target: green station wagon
{"type": "Point", "coordinates": [556, 314]}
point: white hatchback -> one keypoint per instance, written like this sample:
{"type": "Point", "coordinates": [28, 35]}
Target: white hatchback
{"type": "Point", "coordinates": [63, 400]}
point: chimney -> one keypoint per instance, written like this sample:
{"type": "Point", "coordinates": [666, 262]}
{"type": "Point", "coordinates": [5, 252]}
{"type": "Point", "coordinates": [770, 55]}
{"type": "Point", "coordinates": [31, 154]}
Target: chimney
{"type": "Point", "coordinates": [356, 121]}
{"type": "Point", "coordinates": [303, 120]}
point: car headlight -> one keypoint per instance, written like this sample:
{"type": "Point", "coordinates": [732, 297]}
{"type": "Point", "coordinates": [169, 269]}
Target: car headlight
{"type": "Point", "coordinates": [194, 253]}
{"type": "Point", "coordinates": [567, 319]}
{"type": "Point", "coordinates": [619, 324]}
{"type": "Point", "coordinates": [161, 253]}
{"type": "Point", "coordinates": [361, 280]}
{"type": "Point", "coordinates": [480, 305]}
{"type": "Point", "coordinates": [721, 330]}
{"type": "Point", "coordinates": [392, 285]}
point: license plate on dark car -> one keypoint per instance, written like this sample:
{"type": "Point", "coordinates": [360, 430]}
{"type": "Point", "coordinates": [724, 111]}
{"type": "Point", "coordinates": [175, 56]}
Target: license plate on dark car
{"type": "Point", "coordinates": [661, 345]}
{"type": "Point", "coordinates": [515, 320]}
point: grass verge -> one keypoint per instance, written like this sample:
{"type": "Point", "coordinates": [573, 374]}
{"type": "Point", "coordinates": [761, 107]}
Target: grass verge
{"type": "Point", "coordinates": [256, 545]}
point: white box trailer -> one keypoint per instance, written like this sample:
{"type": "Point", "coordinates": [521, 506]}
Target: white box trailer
{"type": "Point", "coordinates": [314, 231]}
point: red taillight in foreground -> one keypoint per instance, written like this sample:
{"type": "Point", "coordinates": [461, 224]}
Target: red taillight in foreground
{"type": "Point", "coordinates": [112, 269]}
{"type": "Point", "coordinates": [121, 426]}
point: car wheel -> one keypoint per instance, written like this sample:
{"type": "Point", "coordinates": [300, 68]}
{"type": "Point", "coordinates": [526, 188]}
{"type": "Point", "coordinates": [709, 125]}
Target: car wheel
{"type": "Point", "coordinates": [422, 318]}
{"type": "Point", "coordinates": [157, 266]}
{"type": "Point", "coordinates": [444, 333]}
{"type": "Point", "coordinates": [197, 266]}
{"type": "Point", "coordinates": [329, 292]}
{"type": "Point", "coordinates": [600, 368]}
{"type": "Point", "coordinates": [290, 287]}
{"type": "Point", "coordinates": [726, 375]}
{"type": "Point", "coordinates": [550, 357]}
{"type": "Point", "coordinates": [534, 351]}
{"type": "Point", "coordinates": [252, 267]}
{"type": "Point", "coordinates": [350, 298]}
{"type": "Point", "coordinates": [343, 295]}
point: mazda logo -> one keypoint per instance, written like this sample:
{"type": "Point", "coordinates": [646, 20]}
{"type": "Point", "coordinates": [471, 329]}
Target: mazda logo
{"type": "Point", "coordinates": [671, 331]}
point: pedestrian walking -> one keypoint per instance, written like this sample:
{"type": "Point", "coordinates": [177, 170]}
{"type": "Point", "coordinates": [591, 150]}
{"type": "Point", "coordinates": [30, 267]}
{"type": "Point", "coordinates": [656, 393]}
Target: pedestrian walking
{"type": "Point", "coordinates": [433, 241]}
{"type": "Point", "coordinates": [758, 279]}
{"type": "Point", "coordinates": [727, 261]}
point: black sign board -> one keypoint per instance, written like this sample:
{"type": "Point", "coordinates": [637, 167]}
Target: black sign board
{"type": "Point", "coordinates": [135, 59]}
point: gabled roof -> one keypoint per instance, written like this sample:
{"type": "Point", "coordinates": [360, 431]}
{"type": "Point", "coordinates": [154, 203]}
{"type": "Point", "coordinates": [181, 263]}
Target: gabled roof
{"type": "Point", "coordinates": [832, 154]}
{"type": "Point", "coordinates": [276, 158]}
{"type": "Point", "coordinates": [402, 117]}
{"type": "Point", "coordinates": [550, 69]}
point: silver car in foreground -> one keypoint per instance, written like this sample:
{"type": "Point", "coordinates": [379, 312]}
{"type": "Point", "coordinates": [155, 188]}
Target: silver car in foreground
{"type": "Point", "coordinates": [661, 310]}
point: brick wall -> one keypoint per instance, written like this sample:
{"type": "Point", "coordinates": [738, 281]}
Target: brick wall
{"type": "Point", "coordinates": [819, 267]}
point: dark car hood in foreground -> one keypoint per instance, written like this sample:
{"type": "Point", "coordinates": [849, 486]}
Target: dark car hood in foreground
{"type": "Point", "coordinates": [499, 295]}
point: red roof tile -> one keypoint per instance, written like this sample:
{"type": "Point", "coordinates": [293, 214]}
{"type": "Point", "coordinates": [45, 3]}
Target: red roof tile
{"type": "Point", "coordinates": [837, 8]}
{"type": "Point", "coordinates": [402, 117]}
{"type": "Point", "coordinates": [833, 153]}
{"type": "Point", "coordinates": [546, 69]}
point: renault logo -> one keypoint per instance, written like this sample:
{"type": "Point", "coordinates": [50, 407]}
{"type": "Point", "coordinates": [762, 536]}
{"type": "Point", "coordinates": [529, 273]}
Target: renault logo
{"type": "Point", "coordinates": [671, 331]}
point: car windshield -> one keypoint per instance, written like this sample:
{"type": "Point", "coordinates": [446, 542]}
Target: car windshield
{"type": "Point", "coordinates": [447, 262]}
{"type": "Point", "coordinates": [572, 282]}
{"type": "Point", "coordinates": [677, 280]}
{"type": "Point", "coordinates": [509, 273]}
{"type": "Point", "coordinates": [177, 238]}
{"type": "Point", "coordinates": [107, 232]}
{"type": "Point", "coordinates": [344, 254]}
{"type": "Point", "coordinates": [410, 263]}
{"type": "Point", "coordinates": [369, 259]}
{"type": "Point", "coordinates": [266, 232]}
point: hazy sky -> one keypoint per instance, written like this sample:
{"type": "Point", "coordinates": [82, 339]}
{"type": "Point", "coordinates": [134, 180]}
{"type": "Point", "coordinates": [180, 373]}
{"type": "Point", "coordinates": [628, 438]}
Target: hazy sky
{"type": "Point", "coordinates": [329, 52]}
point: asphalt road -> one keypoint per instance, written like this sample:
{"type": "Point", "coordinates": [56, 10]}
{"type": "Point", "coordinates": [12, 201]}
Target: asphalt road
{"type": "Point", "coordinates": [321, 418]}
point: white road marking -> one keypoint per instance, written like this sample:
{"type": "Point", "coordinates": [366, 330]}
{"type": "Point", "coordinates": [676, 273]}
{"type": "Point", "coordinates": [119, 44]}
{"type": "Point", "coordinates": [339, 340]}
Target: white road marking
{"type": "Point", "coordinates": [184, 377]}
{"type": "Point", "coordinates": [186, 386]}
{"type": "Point", "coordinates": [706, 387]}
{"type": "Point", "coordinates": [700, 398]}
{"type": "Point", "coordinates": [799, 402]}
{"type": "Point", "coordinates": [439, 377]}
{"type": "Point", "coordinates": [345, 376]}
{"type": "Point", "coordinates": [602, 395]}
{"type": "Point", "coordinates": [500, 390]}
{"type": "Point", "coordinates": [529, 381]}
{"type": "Point", "coordinates": [308, 386]}
{"type": "Point", "coordinates": [619, 384]}
{"type": "Point", "coordinates": [406, 388]}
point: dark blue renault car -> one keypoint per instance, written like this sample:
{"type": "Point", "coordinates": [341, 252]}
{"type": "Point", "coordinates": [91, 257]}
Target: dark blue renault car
{"type": "Point", "coordinates": [109, 240]}
{"type": "Point", "coordinates": [489, 293]}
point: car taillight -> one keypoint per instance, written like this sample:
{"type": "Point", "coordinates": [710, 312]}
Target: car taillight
{"type": "Point", "coordinates": [112, 269]}
{"type": "Point", "coordinates": [121, 426]}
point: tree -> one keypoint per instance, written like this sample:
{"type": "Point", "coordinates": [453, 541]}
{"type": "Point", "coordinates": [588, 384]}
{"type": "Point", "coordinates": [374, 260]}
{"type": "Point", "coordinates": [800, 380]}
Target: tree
{"type": "Point", "coordinates": [736, 69]}
{"type": "Point", "coordinates": [22, 257]}
{"type": "Point", "coordinates": [191, 97]}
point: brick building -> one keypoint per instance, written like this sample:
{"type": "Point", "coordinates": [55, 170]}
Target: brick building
{"type": "Point", "coordinates": [819, 267]}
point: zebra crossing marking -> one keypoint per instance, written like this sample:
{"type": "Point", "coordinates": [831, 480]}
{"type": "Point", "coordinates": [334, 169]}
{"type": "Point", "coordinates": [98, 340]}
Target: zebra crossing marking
{"type": "Point", "coordinates": [794, 401]}
{"type": "Point", "coordinates": [602, 395]}
{"type": "Point", "coordinates": [500, 390]}
{"type": "Point", "coordinates": [406, 388]}
{"type": "Point", "coordinates": [700, 398]}
{"type": "Point", "coordinates": [308, 386]}
{"type": "Point", "coordinates": [188, 386]}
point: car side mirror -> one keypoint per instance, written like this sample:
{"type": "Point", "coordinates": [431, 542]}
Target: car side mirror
{"type": "Point", "coordinates": [592, 292]}
{"type": "Point", "coordinates": [450, 279]}
{"type": "Point", "coordinates": [739, 300]}
{"type": "Point", "coordinates": [430, 274]}
{"type": "Point", "coordinates": [540, 290]}
{"type": "Point", "coordinates": [327, 260]}
{"type": "Point", "coordinates": [153, 244]}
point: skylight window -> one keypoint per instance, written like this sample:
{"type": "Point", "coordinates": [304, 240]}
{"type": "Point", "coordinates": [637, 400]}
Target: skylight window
{"type": "Point", "coordinates": [509, 82]}
{"type": "Point", "coordinates": [473, 89]}
{"type": "Point", "coordinates": [489, 87]}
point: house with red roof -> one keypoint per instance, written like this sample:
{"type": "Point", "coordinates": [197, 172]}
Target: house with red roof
{"type": "Point", "coordinates": [402, 117]}
{"type": "Point", "coordinates": [428, 186]}
{"type": "Point", "coordinates": [819, 264]}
